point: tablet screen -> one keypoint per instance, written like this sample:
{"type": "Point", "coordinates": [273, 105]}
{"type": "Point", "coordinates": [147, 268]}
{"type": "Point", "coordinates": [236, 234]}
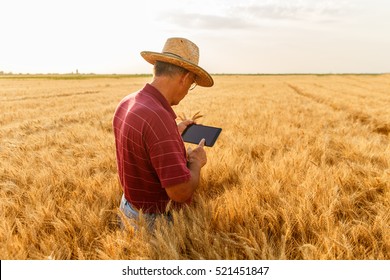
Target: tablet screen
{"type": "Point", "coordinates": [195, 133]}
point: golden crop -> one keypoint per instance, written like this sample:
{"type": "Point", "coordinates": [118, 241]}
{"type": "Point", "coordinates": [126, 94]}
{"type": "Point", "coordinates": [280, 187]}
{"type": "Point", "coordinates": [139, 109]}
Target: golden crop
{"type": "Point", "coordinates": [300, 171]}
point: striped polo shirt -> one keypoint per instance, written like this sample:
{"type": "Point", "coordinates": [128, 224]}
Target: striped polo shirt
{"type": "Point", "coordinates": [150, 151]}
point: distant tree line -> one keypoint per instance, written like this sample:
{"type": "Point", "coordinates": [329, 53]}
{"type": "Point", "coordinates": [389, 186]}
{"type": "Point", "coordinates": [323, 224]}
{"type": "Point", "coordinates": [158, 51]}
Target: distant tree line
{"type": "Point", "coordinates": [6, 73]}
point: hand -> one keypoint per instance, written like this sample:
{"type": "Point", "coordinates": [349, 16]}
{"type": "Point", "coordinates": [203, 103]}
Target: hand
{"type": "Point", "coordinates": [183, 125]}
{"type": "Point", "coordinates": [186, 122]}
{"type": "Point", "coordinates": [198, 155]}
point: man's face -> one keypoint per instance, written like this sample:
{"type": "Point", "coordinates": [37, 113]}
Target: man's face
{"type": "Point", "coordinates": [188, 83]}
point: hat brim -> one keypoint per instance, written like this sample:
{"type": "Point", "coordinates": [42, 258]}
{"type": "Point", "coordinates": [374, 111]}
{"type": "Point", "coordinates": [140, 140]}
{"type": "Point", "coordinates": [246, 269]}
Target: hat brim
{"type": "Point", "coordinates": [203, 78]}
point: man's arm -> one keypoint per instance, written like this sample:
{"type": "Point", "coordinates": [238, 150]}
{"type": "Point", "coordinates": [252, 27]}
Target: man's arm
{"type": "Point", "coordinates": [196, 160]}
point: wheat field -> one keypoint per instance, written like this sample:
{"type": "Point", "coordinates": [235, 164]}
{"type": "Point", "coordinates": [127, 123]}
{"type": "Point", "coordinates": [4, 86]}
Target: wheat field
{"type": "Point", "coordinates": [300, 171]}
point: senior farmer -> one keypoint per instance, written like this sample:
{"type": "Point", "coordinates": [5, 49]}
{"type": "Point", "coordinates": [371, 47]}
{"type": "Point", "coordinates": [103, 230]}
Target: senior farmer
{"type": "Point", "coordinates": [153, 165]}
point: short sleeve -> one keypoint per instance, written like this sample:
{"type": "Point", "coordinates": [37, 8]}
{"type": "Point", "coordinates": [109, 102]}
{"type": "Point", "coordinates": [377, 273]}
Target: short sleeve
{"type": "Point", "coordinates": [168, 158]}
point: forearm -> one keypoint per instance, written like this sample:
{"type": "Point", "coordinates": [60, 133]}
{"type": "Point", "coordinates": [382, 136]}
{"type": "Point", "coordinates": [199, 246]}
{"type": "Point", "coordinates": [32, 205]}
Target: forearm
{"type": "Point", "coordinates": [195, 178]}
{"type": "Point", "coordinates": [184, 191]}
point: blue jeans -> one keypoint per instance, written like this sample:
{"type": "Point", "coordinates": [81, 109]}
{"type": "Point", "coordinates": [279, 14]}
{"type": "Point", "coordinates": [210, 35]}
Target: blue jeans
{"type": "Point", "coordinates": [133, 214]}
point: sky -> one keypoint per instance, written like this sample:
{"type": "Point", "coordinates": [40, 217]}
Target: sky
{"type": "Point", "coordinates": [234, 36]}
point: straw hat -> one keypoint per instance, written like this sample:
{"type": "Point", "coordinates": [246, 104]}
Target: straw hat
{"type": "Point", "coordinates": [183, 53]}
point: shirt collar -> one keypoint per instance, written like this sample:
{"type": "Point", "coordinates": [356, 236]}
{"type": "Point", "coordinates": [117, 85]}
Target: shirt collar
{"type": "Point", "coordinates": [160, 98]}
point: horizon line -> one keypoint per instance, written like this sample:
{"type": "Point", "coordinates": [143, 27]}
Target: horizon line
{"type": "Point", "coordinates": [2, 73]}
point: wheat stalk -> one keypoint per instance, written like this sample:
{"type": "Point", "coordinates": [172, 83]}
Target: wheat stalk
{"type": "Point", "coordinates": [196, 116]}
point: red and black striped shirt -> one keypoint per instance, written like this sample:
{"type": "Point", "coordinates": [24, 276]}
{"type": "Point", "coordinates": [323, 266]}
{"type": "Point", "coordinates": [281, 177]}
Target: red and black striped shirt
{"type": "Point", "coordinates": [150, 151]}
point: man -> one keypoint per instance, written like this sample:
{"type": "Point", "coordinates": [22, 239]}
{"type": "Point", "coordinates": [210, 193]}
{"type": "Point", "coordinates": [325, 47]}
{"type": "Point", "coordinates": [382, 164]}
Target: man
{"type": "Point", "coordinates": [153, 165]}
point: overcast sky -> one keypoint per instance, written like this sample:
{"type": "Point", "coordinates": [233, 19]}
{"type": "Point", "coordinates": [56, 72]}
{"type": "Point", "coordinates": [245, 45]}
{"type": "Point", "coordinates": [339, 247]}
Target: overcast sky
{"type": "Point", "coordinates": [234, 36]}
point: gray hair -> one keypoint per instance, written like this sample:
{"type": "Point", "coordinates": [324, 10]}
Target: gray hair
{"type": "Point", "coordinates": [166, 69]}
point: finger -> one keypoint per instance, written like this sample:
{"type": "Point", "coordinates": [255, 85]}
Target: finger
{"type": "Point", "coordinates": [201, 143]}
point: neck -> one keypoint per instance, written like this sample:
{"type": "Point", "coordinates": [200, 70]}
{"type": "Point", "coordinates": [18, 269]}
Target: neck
{"type": "Point", "coordinates": [164, 86]}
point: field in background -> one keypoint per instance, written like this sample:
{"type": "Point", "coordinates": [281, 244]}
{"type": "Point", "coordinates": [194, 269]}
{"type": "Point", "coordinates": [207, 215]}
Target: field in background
{"type": "Point", "coordinates": [300, 171]}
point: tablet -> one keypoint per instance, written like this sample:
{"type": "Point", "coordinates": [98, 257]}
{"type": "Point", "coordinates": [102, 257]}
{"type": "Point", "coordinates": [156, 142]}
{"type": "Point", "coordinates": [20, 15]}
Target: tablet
{"type": "Point", "coordinates": [195, 133]}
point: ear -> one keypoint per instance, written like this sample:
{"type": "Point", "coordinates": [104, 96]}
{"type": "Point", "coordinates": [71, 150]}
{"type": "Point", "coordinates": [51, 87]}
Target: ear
{"type": "Point", "coordinates": [186, 77]}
